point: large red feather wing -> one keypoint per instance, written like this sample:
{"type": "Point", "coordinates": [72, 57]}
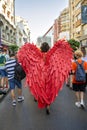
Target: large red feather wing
{"type": "Point", "coordinates": [58, 67]}
{"type": "Point", "coordinates": [46, 78]}
{"type": "Point", "coordinates": [32, 61]}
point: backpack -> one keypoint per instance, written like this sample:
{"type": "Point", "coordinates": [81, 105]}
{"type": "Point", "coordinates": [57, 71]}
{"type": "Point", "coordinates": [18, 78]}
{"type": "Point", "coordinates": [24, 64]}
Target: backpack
{"type": "Point", "coordinates": [19, 72]}
{"type": "Point", "coordinates": [80, 72]}
{"type": "Point", "coordinates": [2, 60]}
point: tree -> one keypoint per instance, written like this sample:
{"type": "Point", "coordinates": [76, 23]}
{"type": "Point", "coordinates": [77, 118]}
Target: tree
{"type": "Point", "coordinates": [13, 48]}
{"type": "Point", "coordinates": [74, 44]}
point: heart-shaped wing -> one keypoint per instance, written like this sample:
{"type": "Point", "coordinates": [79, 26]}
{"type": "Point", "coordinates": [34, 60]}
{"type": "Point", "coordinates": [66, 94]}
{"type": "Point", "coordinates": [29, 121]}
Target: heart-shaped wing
{"type": "Point", "coordinates": [58, 67]}
{"type": "Point", "coordinates": [46, 78]}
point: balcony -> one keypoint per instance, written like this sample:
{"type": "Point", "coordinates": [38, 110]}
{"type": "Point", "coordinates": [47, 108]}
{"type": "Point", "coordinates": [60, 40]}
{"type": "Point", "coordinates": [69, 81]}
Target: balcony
{"type": "Point", "coordinates": [78, 11]}
{"type": "Point", "coordinates": [76, 2]}
{"type": "Point", "coordinates": [78, 34]}
{"type": "Point", "coordinates": [78, 23]}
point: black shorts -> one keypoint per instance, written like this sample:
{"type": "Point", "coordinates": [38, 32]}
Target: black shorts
{"type": "Point", "coordinates": [86, 78]}
{"type": "Point", "coordinates": [79, 87]}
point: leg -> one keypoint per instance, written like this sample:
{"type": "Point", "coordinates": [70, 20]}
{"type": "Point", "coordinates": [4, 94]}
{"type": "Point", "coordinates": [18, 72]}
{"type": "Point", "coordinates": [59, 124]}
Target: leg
{"type": "Point", "coordinates": [76, 89]}
{"type": "Point", "coordinates": [19, 85]}
{"type": "Point", "coordinates": [2, 78]}
{"type": "Point", "coordinates": [82, 92]}
{"type": "Point", "coordinates": [78, 99]}
{"type": "Point", "coordinates": [48, 109]}
{"type": "Point", "coordinates": [20, 97]}
{"type": "Point", "coordinates": [6, 82]}
{"type": "Point", "coordinates": [6, 79]}
{"type": "Point", "coordinates": [19, 92]}
{"type": "Point", "coordinates": [82, 100]}
{"type": "Point", "coordinates": [13, 94]}
{"type": "Point", "coordinates": [12, 88]}
{"type": "Point", "coordinates": [77, 96]}
{"type": "Point", "coordinates": [2, 82]}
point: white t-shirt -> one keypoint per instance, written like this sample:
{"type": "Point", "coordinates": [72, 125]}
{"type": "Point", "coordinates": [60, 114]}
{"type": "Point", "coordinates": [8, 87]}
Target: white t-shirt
{"type": "Point", "coordinates": [84, 58]}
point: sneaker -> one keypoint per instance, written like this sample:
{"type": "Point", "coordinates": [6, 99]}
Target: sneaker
{"type": "Point", "coordinates": [21, 98]}
{"type": "Point", "coordinates": [82, 105]}
{"type": "Point", "coordinates": [78, 104]}
{"type": "Point", "coordinates": [3, 92]}
{"type": "Point", "coordinates": [14, 103]}
{"type": "Point", "coordinates": [35, 100]}
{"type": "Point", "coordinates": [47, 111]}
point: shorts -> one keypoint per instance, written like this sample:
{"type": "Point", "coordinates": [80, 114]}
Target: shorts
{"type": "Point", "coordinates": [79, 87]}
{"type": "Point", "coordinates": [13, 82]}
{"type": "Point", "coordinates": [3, 73]}
{"type": "Point", "coordinates": [86, 78]}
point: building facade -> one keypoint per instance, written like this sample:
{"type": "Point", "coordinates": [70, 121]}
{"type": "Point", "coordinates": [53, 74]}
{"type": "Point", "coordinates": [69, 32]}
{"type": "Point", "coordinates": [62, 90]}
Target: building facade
{"type": "Point", "coordinates": [78, 29]}
{"type": "Point", "coordinates": [64, 25]}
{"type": "Point", "coordinates": [22, 31]}
{"type": "Point", "coordinates": [50, 34]}
{"type": "Point", "coordinates": [7, 22]}
{"type": "Point", "coordinates": [42, 39]}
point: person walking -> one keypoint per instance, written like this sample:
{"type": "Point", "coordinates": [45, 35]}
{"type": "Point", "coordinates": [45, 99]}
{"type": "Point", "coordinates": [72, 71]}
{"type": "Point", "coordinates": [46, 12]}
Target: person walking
{"type": "Point", "coordinates": [79, 86]}
{"type": "Point", "coordinates": [84, 58]}
{"type": "Point", "coordinates": [44, 48]}
{"type": "Point", "coordinates": [10, 69]}
{"type": "Point", "coordinates": [5, 53]}
{"type": "Point", "coordinates": [2, 68]}
{"type": "Point", "coordinates": [46, 70]}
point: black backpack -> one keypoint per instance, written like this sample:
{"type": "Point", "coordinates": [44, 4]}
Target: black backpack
{"type": "Point", "coordinates": [19, 72]}
{"type": "Point", "coordinates": [80, 72]}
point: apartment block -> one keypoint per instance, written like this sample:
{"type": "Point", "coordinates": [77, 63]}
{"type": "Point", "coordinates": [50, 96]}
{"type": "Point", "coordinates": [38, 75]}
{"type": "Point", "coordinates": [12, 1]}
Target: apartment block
{"type": "Point", "coordinates": [22, 31]}
{"type": "Point", "coordinates": [78, 29]}
{"type": "Point", "coordinates": [7, 22]}
{"type": "Point", "coordinates": [64, 32]}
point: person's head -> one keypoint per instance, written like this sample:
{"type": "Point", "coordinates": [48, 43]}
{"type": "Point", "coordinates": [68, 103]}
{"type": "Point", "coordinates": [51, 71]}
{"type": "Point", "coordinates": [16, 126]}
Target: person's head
{"type": "Point", "coordinates": [44, 47]}
{"type": "Point", "coordinates": [12, 54]}
{"type": "Point", "coordinates": [78, 54]}
{"type": "Point", "coordinates": [5, 50]}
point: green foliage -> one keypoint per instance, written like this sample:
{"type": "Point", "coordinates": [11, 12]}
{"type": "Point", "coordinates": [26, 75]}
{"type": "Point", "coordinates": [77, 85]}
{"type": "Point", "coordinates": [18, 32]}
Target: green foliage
{"type": "Point", "coordinates": [13, 48]}
{"type": "Point", "coordinates": [74, 44]}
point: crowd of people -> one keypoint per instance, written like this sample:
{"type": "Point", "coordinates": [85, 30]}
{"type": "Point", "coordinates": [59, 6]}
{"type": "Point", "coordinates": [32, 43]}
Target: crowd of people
{"type": "Point", "coordinates": [7, 80]}
{"type": "Point", "coordinates": [7, 72]}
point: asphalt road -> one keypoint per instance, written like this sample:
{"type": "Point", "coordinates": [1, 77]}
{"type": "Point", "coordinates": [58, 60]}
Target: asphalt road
{"type": "Point", "coordinates": [27, 116]}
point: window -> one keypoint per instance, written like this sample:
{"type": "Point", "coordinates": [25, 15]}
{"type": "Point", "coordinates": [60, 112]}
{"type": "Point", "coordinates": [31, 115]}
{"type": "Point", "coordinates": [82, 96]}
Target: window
{"type": "Point", "coordinates": [4, 8]}
{"type": "Point", "coordinates": [8, 14]}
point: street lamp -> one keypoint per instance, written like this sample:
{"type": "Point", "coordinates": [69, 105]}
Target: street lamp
{"type": "Point", "coordinates": [1, 23]}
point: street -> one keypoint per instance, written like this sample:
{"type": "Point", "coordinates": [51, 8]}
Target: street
{"type": "Point", "coordinates": [27, 116]}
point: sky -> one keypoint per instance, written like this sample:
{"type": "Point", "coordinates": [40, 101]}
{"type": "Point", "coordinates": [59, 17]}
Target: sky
{"type": "Point", "coordinates": [40, 14]}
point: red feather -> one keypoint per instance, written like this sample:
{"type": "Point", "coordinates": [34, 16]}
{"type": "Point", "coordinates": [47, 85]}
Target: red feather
{"type": "Point", "coordinates": [46, 72]}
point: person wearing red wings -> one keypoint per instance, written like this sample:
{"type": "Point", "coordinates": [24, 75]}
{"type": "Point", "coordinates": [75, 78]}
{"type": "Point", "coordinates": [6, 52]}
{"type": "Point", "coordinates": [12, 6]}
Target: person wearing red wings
{"type": "Point", "coordinates": [46, 71]}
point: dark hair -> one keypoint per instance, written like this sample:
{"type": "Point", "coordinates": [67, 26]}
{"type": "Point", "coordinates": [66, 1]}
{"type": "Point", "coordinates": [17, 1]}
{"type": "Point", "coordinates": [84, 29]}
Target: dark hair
{"type": "Point", "coordinates": [44, 47]}
{"type": "Point", "coordinates": [12, 54]}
